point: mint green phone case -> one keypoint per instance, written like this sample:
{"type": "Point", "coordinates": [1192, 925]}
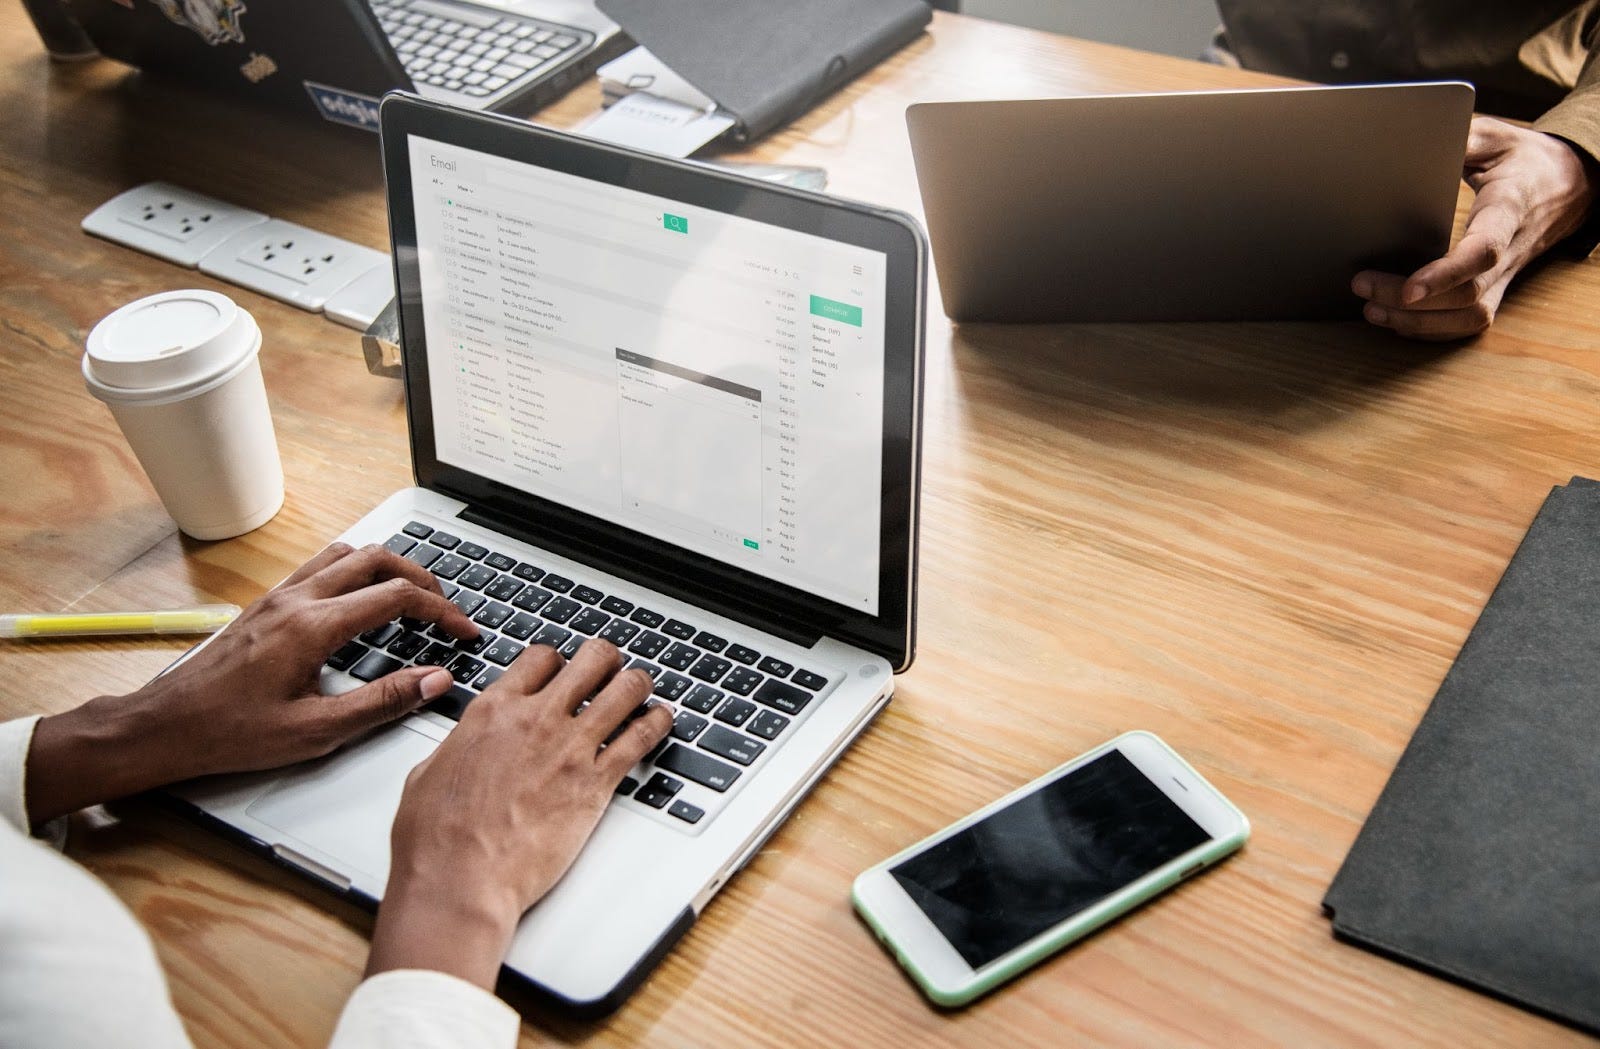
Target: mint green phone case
{"type": "Point", "coordinates": [1074, 928]}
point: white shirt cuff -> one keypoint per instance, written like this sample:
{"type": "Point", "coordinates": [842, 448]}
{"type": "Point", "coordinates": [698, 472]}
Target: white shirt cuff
{"type": "Point", "coordinates": [15, 739]}
{"type": "Point", "coordinates": [419, 1009]}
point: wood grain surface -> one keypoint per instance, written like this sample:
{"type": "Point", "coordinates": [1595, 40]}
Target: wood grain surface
{"type": "Point", "coordinates": [1264, 542]}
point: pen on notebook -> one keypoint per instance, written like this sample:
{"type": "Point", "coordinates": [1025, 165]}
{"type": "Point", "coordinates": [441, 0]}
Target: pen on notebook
{"type": "Point", "coordinates": [202, 619]}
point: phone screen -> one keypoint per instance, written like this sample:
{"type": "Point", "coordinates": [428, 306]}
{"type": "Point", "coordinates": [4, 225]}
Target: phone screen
{"type": "Point", "coordinates": [1020, 871]}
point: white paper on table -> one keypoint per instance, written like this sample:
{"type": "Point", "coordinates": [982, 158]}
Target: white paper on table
{"type": "Point", "coordinates": [658, 125]}
{"type": "Point", "coordinates": [639, 70]}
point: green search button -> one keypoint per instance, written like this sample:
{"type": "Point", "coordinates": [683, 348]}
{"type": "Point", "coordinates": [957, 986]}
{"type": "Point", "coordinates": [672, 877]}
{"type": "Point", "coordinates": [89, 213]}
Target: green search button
{"type": "Point", "coordinates": [676, 223]}
{"type": "Point", "coordinates": [836, 311]}
{"type": "Point", "coordinates": [752, 544]}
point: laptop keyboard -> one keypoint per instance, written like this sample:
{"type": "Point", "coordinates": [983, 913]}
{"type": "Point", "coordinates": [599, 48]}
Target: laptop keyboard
{"type": "Point", "coordinates": [474, 51]}
{"type": "Point", "coordinates": [732, 705]}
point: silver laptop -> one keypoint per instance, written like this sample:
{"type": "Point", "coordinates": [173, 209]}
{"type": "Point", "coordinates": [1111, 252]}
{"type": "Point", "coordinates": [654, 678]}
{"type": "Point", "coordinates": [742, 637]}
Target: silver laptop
{"type": "Point", "coordinates": [1210, 205]}
{"type": "Point", "coordinates": [658, 404]}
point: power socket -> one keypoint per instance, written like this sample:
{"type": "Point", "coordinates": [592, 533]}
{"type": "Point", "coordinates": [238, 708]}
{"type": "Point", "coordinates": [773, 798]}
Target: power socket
{"type": "Point", "coordinates": [290, 262]}
{"type": "Point", "coordinates": [169, 222]}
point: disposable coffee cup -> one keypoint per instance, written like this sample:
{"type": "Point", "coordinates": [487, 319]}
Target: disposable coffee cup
{"type": "Point", "coordinates": [181, 374]}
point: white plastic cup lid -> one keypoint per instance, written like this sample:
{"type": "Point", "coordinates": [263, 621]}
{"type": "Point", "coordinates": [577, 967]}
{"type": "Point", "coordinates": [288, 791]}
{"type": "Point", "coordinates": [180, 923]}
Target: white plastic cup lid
{"type": "Point", "coordinates": [164, 344]}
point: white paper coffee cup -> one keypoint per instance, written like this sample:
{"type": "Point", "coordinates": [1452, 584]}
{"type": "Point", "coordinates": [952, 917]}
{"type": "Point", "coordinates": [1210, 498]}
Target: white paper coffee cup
{"type": "Point", "coordinates": [181, 375]}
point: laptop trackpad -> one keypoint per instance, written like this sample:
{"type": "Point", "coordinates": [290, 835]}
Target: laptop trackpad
{"type": "Point", "coordinates": [343, 805]}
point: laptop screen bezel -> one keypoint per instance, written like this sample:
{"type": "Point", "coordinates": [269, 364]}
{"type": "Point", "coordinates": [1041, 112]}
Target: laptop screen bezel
{"type": "Point", "coordinates": [721, 588]}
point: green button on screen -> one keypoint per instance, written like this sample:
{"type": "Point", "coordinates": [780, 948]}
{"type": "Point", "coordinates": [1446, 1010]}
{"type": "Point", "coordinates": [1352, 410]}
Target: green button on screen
{"type": "Point", "coordinates": [752, 544]}
{"type": "Point", "coordinates": [676, 223]}
{"type": "Point", "coordinates": [836, 311]}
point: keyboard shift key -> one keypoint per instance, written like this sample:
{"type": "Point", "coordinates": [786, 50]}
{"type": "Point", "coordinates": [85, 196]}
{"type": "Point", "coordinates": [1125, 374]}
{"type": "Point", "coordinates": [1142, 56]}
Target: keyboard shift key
{"type": "Point", "coordinates": [374, 665]}
{"type": "Point", "coordinates": [701, 768]}
{"type": "Point", "coordinates": [735, 746]}
{"type": "Point", "coordinates": [767, 724]}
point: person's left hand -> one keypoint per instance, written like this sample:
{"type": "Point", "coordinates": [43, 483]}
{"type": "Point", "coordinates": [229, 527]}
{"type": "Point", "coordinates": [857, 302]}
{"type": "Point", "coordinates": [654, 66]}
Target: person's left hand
{"type": "Point", "coordinates": [1532, 190]}
{"type": "Point", "coordinates": [249, 699]}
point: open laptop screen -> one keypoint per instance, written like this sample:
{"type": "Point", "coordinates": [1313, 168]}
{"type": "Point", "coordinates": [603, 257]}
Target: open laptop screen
{"type": "Point", "coordinates": [704, 378]}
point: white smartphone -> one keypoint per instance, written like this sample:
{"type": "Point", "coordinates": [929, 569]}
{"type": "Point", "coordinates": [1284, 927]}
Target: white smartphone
{"type": "Point", "coordinates": [993, 894]}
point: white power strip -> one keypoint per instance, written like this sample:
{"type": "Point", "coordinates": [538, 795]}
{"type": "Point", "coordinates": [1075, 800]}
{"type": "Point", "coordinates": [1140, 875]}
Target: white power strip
{"type": "Point", "coordinates": [300, 266]}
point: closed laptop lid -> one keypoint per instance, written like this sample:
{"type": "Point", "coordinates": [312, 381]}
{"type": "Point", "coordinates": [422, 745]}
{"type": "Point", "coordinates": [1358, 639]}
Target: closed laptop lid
{"type": "Point", "coordinates": [702, 382]}
{"type": "Point", "coordinates": [1220, 205]}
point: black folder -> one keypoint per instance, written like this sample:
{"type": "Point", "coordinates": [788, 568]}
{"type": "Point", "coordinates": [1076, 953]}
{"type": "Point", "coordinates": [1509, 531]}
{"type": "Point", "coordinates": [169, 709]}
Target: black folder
{"type": "Point", "coordinates": [1481, 858]}
{"type": "Point", "coordinates": [765, 62]}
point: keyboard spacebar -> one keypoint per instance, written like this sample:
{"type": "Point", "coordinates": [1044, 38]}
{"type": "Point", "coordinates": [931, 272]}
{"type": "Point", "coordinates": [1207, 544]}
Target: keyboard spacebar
{"type": "Point", "coordinates": [475, 16]}
{"type": "Point", "coordinates": [691, 764]}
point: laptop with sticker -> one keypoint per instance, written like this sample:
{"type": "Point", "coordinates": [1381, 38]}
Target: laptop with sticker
{"type": "Point", "coordinates": [657, 404]}
{"type": "Point", "coordinates": [337, 58]}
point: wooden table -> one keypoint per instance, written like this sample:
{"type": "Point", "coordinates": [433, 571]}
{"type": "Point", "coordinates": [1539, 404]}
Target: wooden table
{"type": "Point", "coordinates": [1264, 542]}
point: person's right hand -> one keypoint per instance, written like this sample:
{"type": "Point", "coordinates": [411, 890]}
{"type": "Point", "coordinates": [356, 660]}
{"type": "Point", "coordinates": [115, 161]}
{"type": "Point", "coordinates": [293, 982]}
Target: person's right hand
{"type": "Point", "coordinates": [491, 820]}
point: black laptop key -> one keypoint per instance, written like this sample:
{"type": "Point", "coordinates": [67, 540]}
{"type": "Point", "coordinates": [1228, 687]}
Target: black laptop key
{"type": "Point", "coordinates": [348, 654]}
{"type": "Point", "coordinates": [453, 703]}
{"type": "Point", "coordinates": [741, 654]}
{"type": "Point", "coordinates": [449, 566]}
{"type": "Point", "coordinates": [573, 643]}
{"type": "Point", "coordinates": [380, 636]}
{"type": "Point", "coordinates": [776, 667]}
{"type": "Point", "coordinates": [444, 539]}
{"type": "Point", "coordinates": [701, 768]}
{"type": "Point", "coordinates": [679, 629]}
{"type": "Point", "coordinates": [648, 644]}
{"type": "Point", "coordinates": [473, 645]}
{"type": "Point", "coordinates": [735, 746]}
{"type": "Point", "coordinates": [619, 632]}
{"type": "Point", "coordinates": [500, 562]}
{"type": "Point", "coordinates": [477, 577]}
{"type": "Point", "coordinates": [464, 668]}
{"type": "Point", "coordinates": [736, 711]}
{"type": "Point", "coordinates": [489, 676]}
{"type": "Point", "coordinates": [502, 651]}
{"type": "Point", "coordinates": [710, 668]}
{"type": "Point", "coordinates": [627, 786]}
{"type": "Point", "coordinates": [644, 665]}
{"type": "Point", "coordinates": [472, 551]}
{"type": "Point", "coordinates": [374, 665]}
{"type": "Point", "coordinates": [449, 590]}
{"type": "Point", "coordinates": [686, 812]}
{"type": "Point", "coordinates": [552, 635]}
{"type": "Point", "coordinates": [560, 609]}
{"type": "Point", "coordinates": [687, 726]}
{"type": "Point", "coordinates": [415, 625]}
{"type": "Point", "coordinates": [659, 791]}
{"type": "Point", "coordinates": [399, 544]}
{"type": "Point", "coordinates": [504, 589]}
{"type": "Point", "coordinates": [672, 686]}
{"type": "Point", "coordinates": [493, 614]}
{"type": "Point", "coordinates": [417, 530]}
{"type": "Point", "coordinates": [532, 598]}
{"type": "Point", "coordinates": [741, 680]}
{"type": "Point", "coordinates": [703, 698]}
{"type": "Point", "coordinates": [520, 626]}
{"type": "Point", "coordinates": [424, 555]}
{"type": "Point", "coordinates": [782, 696]}
{"type": "Point", "coordinates": [645, 617]}
{"type": "Point", "coordinates": [587, 594]}
{"type": "Point", "coordinates": [710, 642]}
{"type": "Point", "coordinates": [589, 621]}
{"type": "Point", "coordinates": [767, 724]}
{"type": "Point", "coordinates": [616, 606]}
{"type": "Point", "coordinates": [680, 656]}
{"type": "Point", "coordinates": [806, 679]}
{"type": "Point", "coordinates": [407, 645]}
{"type": "Point", "coordinates": [468, 602]}
{"type": "Point", "coordinates": [528, 572]}
{"type": "Point", "coordinates": [559, 583]}
{"type": "Point", "coordinates": [436, 655]}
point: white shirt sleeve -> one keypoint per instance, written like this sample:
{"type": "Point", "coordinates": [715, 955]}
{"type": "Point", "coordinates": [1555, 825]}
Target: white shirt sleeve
{"type": "Point", "coordinates": [417, 1009]}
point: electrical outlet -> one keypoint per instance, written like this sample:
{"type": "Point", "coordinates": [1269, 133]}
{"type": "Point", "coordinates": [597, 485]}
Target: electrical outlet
{"type": "Point", "coordinates": [290, 262]}
{"type": "Point", "coordinates": [358, 303]}
{"type": "Point", "coordinates": [169, 222]}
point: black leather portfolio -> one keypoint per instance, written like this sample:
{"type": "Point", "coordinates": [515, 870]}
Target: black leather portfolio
{"type": "Point", "coordinates": [1481, 858]}
{"type": "Point", "coordinates": [766, 63]}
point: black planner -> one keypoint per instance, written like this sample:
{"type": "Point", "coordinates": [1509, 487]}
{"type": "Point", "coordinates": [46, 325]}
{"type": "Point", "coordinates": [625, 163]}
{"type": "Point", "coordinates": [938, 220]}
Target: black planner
{"type": "Point", "coordinates": [1481, 858]}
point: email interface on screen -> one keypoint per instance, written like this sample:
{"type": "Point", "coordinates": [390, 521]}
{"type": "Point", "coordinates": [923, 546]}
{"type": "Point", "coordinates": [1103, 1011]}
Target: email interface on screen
{"type": "Point", "coordinates": [708, 380]}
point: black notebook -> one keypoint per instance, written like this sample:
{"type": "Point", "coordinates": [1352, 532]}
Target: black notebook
{"type": "Point", "coordinates": [766, 62]}
{"type": "Point", "coordinates": [1481, 858]}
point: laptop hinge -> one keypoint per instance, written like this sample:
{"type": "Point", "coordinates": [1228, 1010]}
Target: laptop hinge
{"type": "Point", "coordinates": [790, 630]}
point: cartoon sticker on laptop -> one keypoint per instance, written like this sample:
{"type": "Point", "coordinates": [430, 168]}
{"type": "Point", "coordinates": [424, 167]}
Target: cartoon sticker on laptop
{"type": "Point", "coordinates": [216, 21]}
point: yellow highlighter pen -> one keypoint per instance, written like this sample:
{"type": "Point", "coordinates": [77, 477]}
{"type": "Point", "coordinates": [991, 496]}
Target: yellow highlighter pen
{"type": "Point", "coordinates": [202, 619]}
